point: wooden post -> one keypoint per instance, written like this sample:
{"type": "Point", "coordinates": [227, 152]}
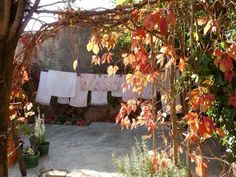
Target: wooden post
{"type": "Point", "coordinates": [18, 151]}
{"type": "Point", "coordinates": [173, 114]}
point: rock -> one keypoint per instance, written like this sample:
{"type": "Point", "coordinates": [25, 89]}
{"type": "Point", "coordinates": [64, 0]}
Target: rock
{"type": "Point", "coordinates": [68, 123]}
{"type": "Point", "coordinates": [56, 173]}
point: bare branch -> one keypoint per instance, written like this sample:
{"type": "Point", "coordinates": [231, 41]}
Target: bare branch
{"type": "Point", "coordinates": [51, 4]}
{"type": "Point", "coordinates": [29, 15]}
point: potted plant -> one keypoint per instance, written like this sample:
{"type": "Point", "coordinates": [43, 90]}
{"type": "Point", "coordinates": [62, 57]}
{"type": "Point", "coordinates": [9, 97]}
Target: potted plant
{"type": "Point", "coordinates": [31, 157]}
{"type": "Point", "coordinates": [39, 135]}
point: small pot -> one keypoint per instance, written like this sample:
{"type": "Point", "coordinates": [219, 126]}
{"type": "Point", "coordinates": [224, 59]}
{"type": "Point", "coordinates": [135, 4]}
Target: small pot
{"type": "Point", "coordinates": [31, 161]}
{"type": "Point", "coordinates": [44, 148]}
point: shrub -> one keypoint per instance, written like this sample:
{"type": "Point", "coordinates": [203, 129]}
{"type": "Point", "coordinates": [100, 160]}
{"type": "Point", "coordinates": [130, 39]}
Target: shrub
{"type": "Point", "coordinates": [141, 163]}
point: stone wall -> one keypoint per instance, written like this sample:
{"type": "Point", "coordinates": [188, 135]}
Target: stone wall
{"type": "Point", "coordinates": [69, 44]}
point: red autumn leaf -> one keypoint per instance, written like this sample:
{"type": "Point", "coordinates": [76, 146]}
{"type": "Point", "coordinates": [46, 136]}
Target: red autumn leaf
{"type": "Point", "coordinates": [226, 65]}
{"type": "Point", "coordinates": [146, 68]}
{"type": "Point", "coordinates": [155, 165]}
{"type": "Point", "coordinates": [218, 53]}
{"type": "Point", "coordinates": [171, 18]}
{"type": "Point", "coordinates": [220, 132]}
{"type": "Point", "coordinates": [191, 116]}
{"type": "Point", "coordinates": [182, 64]}
{"type": "Point", "coordinates": [206, 101]}
{"type": "Point", "coordinates": [231, 51]}
{"type": "Point", "coordinates": [151, 20]}
{"type": "Point", "coordinates": [217, 61]}
{"type": "Point", "coordinates": [139, 33]}
{"type": "Point", "coordinates": [135, 43]}
{"type": "Point", "coordinates": [107, 57]}
{"type": "Point", "coordinates": [202, 129]}
{"type": "Point", "coordinates": [206, 128]}
{"type": "Point", "coordinates": [118, 117]}
{"type": "Point", "coordinates": [193, 138]}
{"type": "Point", "coordinates": [141, 56]}
{"type": "Point", "coordinates": [151, 127]}
{"type": "Point", "coordinates": [229, 75]}
{"type": "Point", "coordinates": [232, 100]}
{"type": "Point", "coordinates": [216, 26]}
{"type": "Point", "coordinates": [96, 60]}
{"type": "Point", "coordinates": [135, 14]}
{"type": "Point", "coordinates": [163, 164]}
{"type": "Point", "coordinates": [163, 25]}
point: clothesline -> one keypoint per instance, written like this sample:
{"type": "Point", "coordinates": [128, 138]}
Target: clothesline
{"type": "Point", "coordinates": [73, 90]}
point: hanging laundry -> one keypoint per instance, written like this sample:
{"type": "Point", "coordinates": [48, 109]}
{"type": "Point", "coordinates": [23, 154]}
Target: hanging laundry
{"type": "Point", "coordinates": [61, 84]}
{"type": "Point", "coordinates": [108, 83]}
{"type": "Point", "coordinates": [88, 82]}
{"type": "Point", "coordinates": [96, 82]}
{"type": "Point", "coordinates": [119, 80]}
{"type": "Point", "coordinates": [98, 98]}
{"type": "Point", "coordinates": [146, 94]}
{"type": "Point", "coordinates": [43, 97]}
{"type": "Point", "coordinates": [80, 98]}
{"type": "Point", "coordinates": [165, 90]}
{"type": "Point", "coordinates": [128, 93]}
{"type": "Point", "coordinates": [63, 100]}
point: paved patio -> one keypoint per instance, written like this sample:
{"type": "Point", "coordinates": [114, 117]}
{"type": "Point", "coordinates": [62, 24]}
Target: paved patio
{"type": "Point", "coordinates": [86, 151]}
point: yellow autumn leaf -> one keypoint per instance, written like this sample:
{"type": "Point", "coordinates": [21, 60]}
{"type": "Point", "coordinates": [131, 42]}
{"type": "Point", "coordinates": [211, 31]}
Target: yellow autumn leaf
{"type": "Point", "coordinates": [111, 70]}
{"type": "Point", "coordinates": [128, 78]}
{"type": "Point", "coordinates": [95, 49]}
{"type": "Point", "coordinates": [208, 26]}
{"type": "Point", "coordinates": [75, 64]}
{"type": "Point", "coordinates": [89, 46]}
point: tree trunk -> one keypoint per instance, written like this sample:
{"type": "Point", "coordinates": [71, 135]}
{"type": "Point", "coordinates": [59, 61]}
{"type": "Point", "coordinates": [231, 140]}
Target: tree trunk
{"type": "Point", "coordinates": [7, 49]}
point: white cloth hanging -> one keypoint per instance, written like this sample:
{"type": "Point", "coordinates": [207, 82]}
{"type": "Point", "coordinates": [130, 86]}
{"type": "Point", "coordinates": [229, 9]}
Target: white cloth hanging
{"type": "Point", "coordinates": [128, 94]}
{"type": "Point", "coordinates": [61, 84]}
{"type": "Point", "coordinates": [63, 100]}
{"type": "Point", "coordinates": [98, 98]}
{"type": "Point", "coordinates": [108, 83]}
{"type": "Point", "coordinates": [164, 80]}
{"type": "Point", "coordinates": [88, 82]}
{"type": "Point", "coordinates": [119, 80]}
{"type": "Point", "coordinates": [146, 94]}
{"type": "Point", "coordinates": [43, 97]}
{"type": "Point", "coordinates": [81, 97]}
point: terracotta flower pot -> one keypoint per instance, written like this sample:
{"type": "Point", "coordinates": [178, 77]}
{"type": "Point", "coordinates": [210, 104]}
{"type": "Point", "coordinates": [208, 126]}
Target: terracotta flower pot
{"type": "Point", "coordinates": [11, 153]}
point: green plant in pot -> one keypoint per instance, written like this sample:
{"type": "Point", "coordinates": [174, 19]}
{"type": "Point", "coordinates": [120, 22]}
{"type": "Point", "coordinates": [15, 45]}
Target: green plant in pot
{"type": "Point", "coordinates": [31, 157]}
{"type": "Point", "coordinates": [39, 135]}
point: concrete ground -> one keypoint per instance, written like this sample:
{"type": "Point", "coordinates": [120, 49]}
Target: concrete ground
{"type": "Point", "coordinates": [86, 151]}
